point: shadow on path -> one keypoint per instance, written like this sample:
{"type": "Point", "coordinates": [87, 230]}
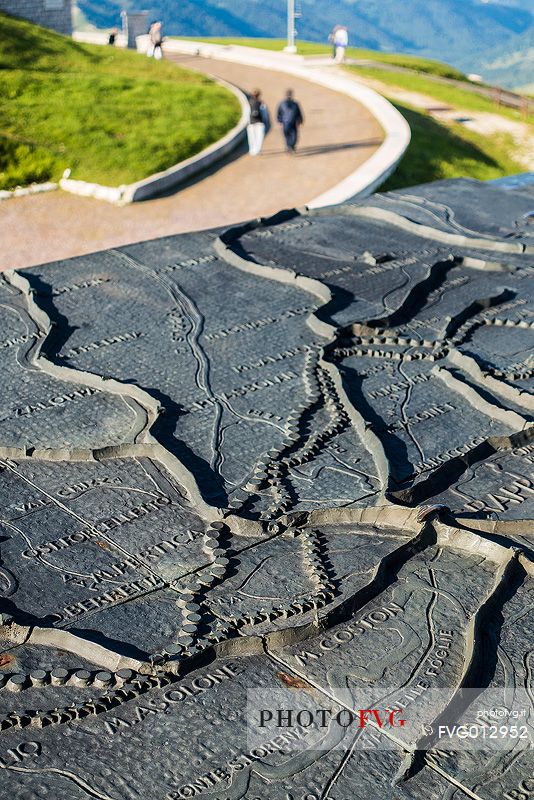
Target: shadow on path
{"type": "Point", "coordinates": [315, 150]}
{"type": "Point", "coordinates": [238, 152]}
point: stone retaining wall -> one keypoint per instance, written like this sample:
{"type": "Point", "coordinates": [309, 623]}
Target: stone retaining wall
{"type": "Point", "coordinates": [55, 14]}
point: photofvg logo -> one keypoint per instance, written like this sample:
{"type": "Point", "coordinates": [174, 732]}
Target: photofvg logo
{"type": "Point", "coordinates": [324, 717]}
{"type": "Point", "coordinates": [305, 717]}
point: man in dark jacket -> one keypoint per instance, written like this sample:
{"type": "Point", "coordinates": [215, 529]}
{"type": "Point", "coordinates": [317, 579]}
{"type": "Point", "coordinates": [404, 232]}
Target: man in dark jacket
{"type": "Point", "coordinates": [290, 118]}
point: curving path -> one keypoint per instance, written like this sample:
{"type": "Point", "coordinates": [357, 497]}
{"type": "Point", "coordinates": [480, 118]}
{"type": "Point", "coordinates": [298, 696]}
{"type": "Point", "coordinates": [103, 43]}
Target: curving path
{"type": "Point", "coordinates": [339, 135]}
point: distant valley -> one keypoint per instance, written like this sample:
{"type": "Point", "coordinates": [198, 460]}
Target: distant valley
{"type": "Point", "coordinates": [493, 38]}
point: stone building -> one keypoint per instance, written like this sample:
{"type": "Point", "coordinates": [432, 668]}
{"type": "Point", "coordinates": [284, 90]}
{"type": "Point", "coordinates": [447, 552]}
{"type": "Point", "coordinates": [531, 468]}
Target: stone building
{"type": "Point", "coordinates": [56, 14]}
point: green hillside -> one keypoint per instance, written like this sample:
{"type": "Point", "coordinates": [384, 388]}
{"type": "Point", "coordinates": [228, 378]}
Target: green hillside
{"type": "Point", "coordinates": [111, 116]}
{"type": "Point", "coordinates": [453, 95]}
{"type": "Point", "coordinates": [438, 151]}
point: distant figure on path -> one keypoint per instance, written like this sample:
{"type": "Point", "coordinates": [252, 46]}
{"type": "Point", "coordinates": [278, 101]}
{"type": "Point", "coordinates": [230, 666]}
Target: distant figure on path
{"type": "Point", "coordinates": [332, 39]}
{"type": "Point", "coordinates": [113, 36]}
{"type": "Point", "coordinates": [341, 40]}
{"type": "Point", "coordinates": [155, 35]}
{"type": "Point", "coordinates": [259, 123]}
{"type": "Point", "coordinates": [290, 118]}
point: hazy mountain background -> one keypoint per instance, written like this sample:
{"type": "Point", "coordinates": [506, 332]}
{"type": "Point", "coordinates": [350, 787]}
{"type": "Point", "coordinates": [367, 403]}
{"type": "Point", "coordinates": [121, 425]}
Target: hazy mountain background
{"type": "Point", "coordinates": [493, 38]}
{"type": "Point", "coordinates": [513, 64]}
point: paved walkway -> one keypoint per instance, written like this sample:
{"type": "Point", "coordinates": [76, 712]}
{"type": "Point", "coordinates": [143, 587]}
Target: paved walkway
{"type": "Point", "coordinates": [338, 136]}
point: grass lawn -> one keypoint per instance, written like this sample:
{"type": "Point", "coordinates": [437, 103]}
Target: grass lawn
{"type": "Point", "coordinates": [110, 115]}
{"type": "Point", "coordinates": [439, 151]}
{"type": "Point", "coordinates": [451, 95]}
{"type": "Point", "coordinates": [426, 65]}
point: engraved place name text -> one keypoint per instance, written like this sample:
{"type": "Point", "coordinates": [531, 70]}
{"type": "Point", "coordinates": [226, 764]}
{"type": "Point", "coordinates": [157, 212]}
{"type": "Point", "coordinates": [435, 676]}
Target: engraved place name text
{"type": "Point", "coordinates": [263, 362]}
{"type": "Point", "coordinates": [188, 691]}
{"type": "Point", "coordinates": [421, 416]}
{"type": "Point", "coordinates": [261, 383]}
{"type": "Point", "coordinates": [107, 342]}
{"type": "Point", "coordinates": [442, 458]}
{"type": "Point", "coordinates": [257, 324]}
{"type": "Point", "coordinates": [103, 526]}
{"type": "Point", "coordinates": [111, 597]}
{"type": "Point", "coordinates": [513, 493]}
{"type": "Point", "coordinates": [394, 388]}
{"type": "Point", "coordinates": [188, 262]}
{"type": "Point", "coordinates": [340, 637]}
{"type": "Point", "coordinates": [73, 287]}
{"type": "Point", "coordinates": [54, 402]}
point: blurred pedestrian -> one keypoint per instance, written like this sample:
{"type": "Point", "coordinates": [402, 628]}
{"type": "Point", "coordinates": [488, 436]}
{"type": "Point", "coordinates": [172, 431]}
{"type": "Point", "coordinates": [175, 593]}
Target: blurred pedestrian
{"type": "Point", "coordinates": [290, 117]}
{"type": "Point", "coordinates": [332, 39]}
{"type": "Point", "coordinates": [341, 40]}
{"type": "Point", "coordinates": [150, 46]}
{"type": "Point", "coordinates": [113, 36]}
{"type": "Point", "coordinates": [259, 123]}
{"type": "Point", "coordinates": [155, 40]}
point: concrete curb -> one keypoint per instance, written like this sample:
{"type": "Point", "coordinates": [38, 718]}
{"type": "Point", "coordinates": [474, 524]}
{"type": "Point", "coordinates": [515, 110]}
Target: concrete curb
{"type": "Point", "coordinates": [368, 177]}
{"type": "Point", "coordinates": [155, 184]}
{"type": "Point", "coordinates": [173, 176]}
{"type": "Point", "coordinates": [24, 191]}
{"type": "Point", "coordinates": [112, 194]}
{"type": "Point", "coordinates": [99, 37]}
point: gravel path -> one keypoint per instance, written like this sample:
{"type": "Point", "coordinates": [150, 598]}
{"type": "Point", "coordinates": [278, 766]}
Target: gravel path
{"type": "Point", "coordinates": [338, 136]}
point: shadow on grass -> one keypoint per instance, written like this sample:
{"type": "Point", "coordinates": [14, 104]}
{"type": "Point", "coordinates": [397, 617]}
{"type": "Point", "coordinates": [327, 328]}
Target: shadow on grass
{"type": "Point", "coordinates": [22, 163]}
{"type": "Point", "coordinates": [436, 152]}
{"type": "Point", "coordinates": [22, 45]}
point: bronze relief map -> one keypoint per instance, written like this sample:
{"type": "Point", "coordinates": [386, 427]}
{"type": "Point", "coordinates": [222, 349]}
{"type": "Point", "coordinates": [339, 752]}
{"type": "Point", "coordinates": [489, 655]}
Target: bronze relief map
{"type": "Point", "coordinates": [267, 500]}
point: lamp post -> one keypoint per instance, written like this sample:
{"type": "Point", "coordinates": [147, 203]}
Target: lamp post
{"type": "Point", "coordinates": [290, 48]}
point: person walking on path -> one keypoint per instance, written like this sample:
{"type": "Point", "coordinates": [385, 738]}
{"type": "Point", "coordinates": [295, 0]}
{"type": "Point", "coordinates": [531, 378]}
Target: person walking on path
{"type": "Point", "coordinates": [341, 40]}
{"type": "Point", "coordinates": [332, 40]}
{"type": "Point", "coordinates": [259, 123]}
{"type": "Point", "coordinates": [290, 117]}
{"type": "Point", "coordinates": [155, 41]}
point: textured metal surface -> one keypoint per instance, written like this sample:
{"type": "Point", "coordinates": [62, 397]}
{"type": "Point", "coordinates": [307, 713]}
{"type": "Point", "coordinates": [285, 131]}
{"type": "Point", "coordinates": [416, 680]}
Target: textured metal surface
{"type": "Point", "coordinates": [294, 456]}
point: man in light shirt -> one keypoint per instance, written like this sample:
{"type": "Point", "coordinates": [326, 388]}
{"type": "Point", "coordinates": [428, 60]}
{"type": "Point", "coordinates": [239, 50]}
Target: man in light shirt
{"type": "Point", "coordinates": [341, 40]}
